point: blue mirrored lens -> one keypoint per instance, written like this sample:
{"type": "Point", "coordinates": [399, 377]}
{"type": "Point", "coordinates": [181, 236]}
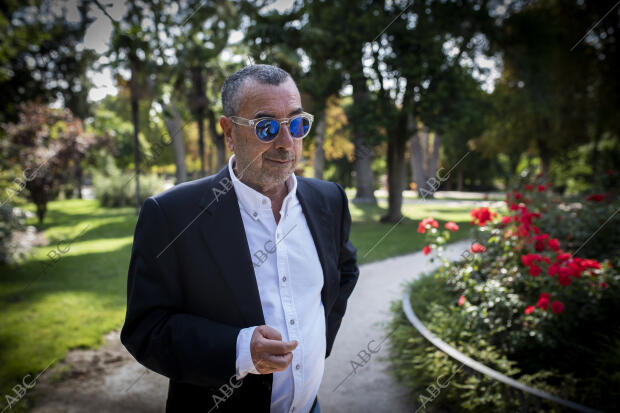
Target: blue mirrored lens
{"type": "Point", "coordinates": [299, 126]}
{"type": "Point", "coordinates": [267, 129]}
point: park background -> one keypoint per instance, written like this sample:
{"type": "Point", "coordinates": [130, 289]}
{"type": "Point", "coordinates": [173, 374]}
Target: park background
{"type": "Point", "coordinates": [435, 110]}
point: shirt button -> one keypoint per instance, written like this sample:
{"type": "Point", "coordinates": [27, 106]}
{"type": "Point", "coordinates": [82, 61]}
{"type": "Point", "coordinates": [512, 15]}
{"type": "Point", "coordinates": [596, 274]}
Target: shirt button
{"type": "Point", "coordinates": [297, 367]}
{"type": "Point", "coordinates": [292, 321]}
{"type": "Point", "coordinates": [254, 213]}
{"type": "Point", "coordinates": [284, 278]}
{"type": "Point", "coordinates": [293, 409]}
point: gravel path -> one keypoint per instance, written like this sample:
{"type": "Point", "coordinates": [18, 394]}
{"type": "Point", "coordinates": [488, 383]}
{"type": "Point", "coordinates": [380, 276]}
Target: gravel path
{"type": "Point", "coordinates": [109, 380]}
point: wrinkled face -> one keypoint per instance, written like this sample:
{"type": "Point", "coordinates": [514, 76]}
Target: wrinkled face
{"type": "Point", "coordinates": [261, 165]}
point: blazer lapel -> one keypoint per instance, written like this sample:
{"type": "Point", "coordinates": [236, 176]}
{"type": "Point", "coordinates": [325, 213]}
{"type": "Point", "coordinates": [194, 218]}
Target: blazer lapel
{"type": "Point", "coordinates": [316, 217]}
{"type": "Point", "coordinates": [223, 231]}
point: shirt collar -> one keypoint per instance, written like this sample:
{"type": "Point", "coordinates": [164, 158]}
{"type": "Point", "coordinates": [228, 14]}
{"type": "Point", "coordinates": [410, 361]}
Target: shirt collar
{"type": "Point", "coordinates": [253, 201]}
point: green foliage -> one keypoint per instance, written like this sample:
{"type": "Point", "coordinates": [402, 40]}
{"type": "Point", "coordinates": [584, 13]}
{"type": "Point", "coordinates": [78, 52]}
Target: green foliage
{"type": "Point", "coordinates": [527, 301]}
{"type": "Point", "coordinates": [554, 101]}
{"type": "Point", "coordinates": [48, 145]}
{"type": "Point", "coordinates": [11, 219]}
{"type": "Point", "coordinates": [40, 57]}
{"type": "Point", "coordinates": [418, 364]}
{"type": "Point", "coordinates": [114, 188]}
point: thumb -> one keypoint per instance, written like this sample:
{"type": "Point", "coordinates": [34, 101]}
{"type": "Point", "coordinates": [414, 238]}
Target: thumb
{"type": "Point", "coordinates": [293, 344]}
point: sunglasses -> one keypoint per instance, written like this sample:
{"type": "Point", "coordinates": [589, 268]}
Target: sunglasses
{"type": "Point", "coordinates": [267, 129]}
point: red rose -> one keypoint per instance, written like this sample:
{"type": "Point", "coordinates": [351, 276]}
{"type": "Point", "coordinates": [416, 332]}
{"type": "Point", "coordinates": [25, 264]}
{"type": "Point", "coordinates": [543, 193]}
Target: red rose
{"type": "Point", "coordinates": [545, 295]}
{"type": "Point", "coordinates": [557, 307]}
{"type": "Point", "coordinates": [529, 259]}
{"type": "Point", "coordinates": [591, 264]}
{"type": "Point", "coordinates": [530, 309]}
{"type": "Point", "coordinates": [529, 187]}
{"type": "Point", "coordinates": [540, 245]}
{"type": "Point", "coordinates": [541, 188]}
{"type": "Point", "coordinates": [563, 278]}
{"type": "Point", "coordinates": [604, 285]}
{"type": "Point", "coordinates": [426, 250]}
{"type": "Point", "coordinates": [596, 197]}
{"type": "Point", "coordinates": [506, 220]}
{"type": "Point", "coordinates": [554, 244]}
{"type": "Point", "coordinates": [543, 302]}
{"type": "Point", "coordinates": [482, 215]}
{"type": "Point", "coordinates": [553, 269]}
{"type": "Point", "coordinates": [518, 195]}
{"type": "Point", "coordinates": [427, 221]}
{"type": "Point", "coordinates": [452, 226]}
{"type": "Point", "coordinates": [541, 240]}
{"type": "Point", "coordinates": [535, 270]}
{"type": "Point", "coordinates": [476, 248]}
{"type": "Point", "coordinates": [461, 300]}
{"type": "Point", "coordinates": [564, 256]}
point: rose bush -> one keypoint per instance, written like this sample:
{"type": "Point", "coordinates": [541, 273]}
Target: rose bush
{"type": "Point", "coordinates": [526, 287]}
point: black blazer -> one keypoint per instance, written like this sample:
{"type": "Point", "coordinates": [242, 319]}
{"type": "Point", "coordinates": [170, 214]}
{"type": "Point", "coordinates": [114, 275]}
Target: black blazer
{"type": "Point", "coordinates": [191, 288]}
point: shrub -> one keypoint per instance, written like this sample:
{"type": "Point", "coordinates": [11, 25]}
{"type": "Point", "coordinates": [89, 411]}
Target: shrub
{"type": "Point", "coordinates": [114, 188]}
{"type": "Point", "coordinates": [419, 364]}
{"type": "Point", "coordinates": [522, 295]}
{"type": "Point", "coordinates": [11, 220]}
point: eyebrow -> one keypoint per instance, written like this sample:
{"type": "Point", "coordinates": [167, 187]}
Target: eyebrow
{"type": "Point", "coordinates": [271, 115]}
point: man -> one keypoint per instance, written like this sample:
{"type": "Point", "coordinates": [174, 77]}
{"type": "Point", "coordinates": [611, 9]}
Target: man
{"type": "Point", "coordinates": [238, 282]}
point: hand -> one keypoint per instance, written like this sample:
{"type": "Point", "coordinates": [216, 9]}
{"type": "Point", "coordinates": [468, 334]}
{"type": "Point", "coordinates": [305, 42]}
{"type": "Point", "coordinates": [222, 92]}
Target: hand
{"type": "Point", "coordinates": [269, 352]}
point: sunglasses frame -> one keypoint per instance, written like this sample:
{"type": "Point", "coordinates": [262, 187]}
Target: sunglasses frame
{"type": "Point", "coordinates": [238, 120]}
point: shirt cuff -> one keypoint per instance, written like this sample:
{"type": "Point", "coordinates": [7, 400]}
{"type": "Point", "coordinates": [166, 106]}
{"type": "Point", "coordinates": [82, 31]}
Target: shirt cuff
{"type": "Point", "coordinates": [244, 363]}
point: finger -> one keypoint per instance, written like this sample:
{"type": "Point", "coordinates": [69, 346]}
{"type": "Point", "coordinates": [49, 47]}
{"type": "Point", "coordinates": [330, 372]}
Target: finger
{"type": "Point", "coordinates": [278, 362]}
{"type": "Point", "coordinates": [275, 347]}
{"type": "Point", "coordinates": [270, 333]}
{"type": "Point", "coordinates": [266, 366]}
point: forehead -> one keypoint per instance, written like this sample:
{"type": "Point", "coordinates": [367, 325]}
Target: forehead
{"type": "Point", "coordinates": [278, 100]}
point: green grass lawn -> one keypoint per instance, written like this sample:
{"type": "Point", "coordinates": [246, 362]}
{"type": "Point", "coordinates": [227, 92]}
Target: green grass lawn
{"type": "Point", "coordinates": [52, 306]}
{"type": "Point", "coordinates": [367, 233]}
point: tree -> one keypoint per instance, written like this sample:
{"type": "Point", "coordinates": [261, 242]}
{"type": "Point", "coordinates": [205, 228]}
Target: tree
{"type": "Point", "coordinates": [557, 92]}
{"type": "Point", "coordinates": [46, 143]}
{"type": "Point", "coordinates": [424, 44]}
{"type": "Point", "coordinates": [202, 38]}
{"type": "Point", "coordinates": [40, 58]}
{"type": "Point", "coordinates": [331, 37]}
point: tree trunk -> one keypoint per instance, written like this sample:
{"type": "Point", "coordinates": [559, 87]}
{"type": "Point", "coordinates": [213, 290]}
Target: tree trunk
{"type": "Point", "coordinates": [417, 159]}
{"type": "Point", "coordinates": [364, 181]}
{"type": "Point", "coordinates": [319, 152]}
{"type": "Point", "coordinates": [459, 176]}
{"type": "Point", "coordinates": [396, 178]}
{"type": "Point", "coordinates": [198, 103]}
{"type": "Point", "coordinates": [79, 178]}
{"type": "Point", "coordinates": [434, 157]}
{"type": "Point", "coordinates": [217, 139]}
{"type": "Point", "coordinates": [174, 124]}
{"type": "Point", "coordinates": [201, 140]}
{"type": "Point", "coordinates": [136, 126]}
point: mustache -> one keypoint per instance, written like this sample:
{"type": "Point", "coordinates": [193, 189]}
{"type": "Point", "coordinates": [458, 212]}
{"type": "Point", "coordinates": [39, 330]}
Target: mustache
{"type": "Point", "coordinates": [281, 156]}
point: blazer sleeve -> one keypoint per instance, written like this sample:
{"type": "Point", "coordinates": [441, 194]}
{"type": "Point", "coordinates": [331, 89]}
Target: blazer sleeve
{"type": "Point", "coordinates": [157, 332]}
{"type": "Point", "coordinates": [349, 272]}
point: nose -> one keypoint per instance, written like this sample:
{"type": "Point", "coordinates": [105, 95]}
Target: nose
{"type": "Point", "coordinates": [283, 138]}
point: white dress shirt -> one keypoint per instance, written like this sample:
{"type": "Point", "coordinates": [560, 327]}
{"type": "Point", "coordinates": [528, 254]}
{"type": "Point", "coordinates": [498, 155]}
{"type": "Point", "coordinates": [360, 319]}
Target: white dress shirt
{"type": "Point", "coordinates": [290, 278]}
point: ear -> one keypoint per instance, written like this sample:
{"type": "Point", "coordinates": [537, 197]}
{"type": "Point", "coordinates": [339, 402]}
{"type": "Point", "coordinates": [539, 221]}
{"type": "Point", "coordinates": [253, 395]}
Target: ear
{"type": "Point", "coordinates": [227, 127]}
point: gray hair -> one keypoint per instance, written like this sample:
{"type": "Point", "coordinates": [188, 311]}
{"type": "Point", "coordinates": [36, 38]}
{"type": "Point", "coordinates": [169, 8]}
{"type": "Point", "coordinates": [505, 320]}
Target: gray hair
{"type": "Point", "coordinates": [265, 74]}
